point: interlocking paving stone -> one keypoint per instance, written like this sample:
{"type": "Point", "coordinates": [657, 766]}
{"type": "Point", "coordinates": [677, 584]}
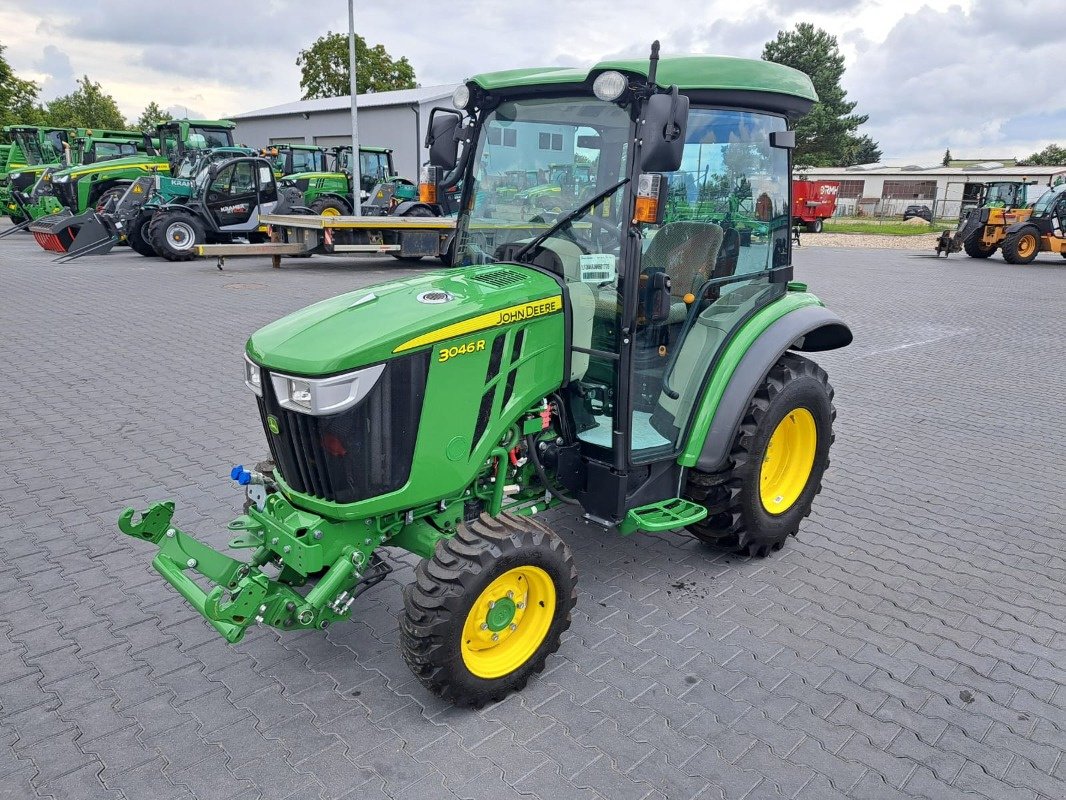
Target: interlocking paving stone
{"type": "Point", "coordinates": [909, 643]}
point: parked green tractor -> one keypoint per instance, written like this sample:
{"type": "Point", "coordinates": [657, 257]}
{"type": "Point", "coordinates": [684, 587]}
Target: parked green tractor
{"type": "Point", "coordinates": [613, 360]}
{"type": "Point", "coordinates": [329, 193]}
{"type": "Point", "coordinates": [296, 159]}
{"type": "Point", "coordinates": [92, 185]}
{"type": "Point", "coordinates": [31, 147]}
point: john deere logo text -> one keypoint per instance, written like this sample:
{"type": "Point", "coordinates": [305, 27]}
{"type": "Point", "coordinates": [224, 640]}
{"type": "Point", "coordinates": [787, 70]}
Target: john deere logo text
{"type": "Point", "coordinates": [272, 423]}
{"type": "Point", "coordinates": [529, 310]}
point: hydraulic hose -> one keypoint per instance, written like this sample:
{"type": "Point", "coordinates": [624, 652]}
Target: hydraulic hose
{"type": "Point", "coordinates": [531, 446]}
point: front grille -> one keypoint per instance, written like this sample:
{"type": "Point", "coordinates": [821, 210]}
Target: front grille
{"type": "Point", "coordinates": [362, 452]}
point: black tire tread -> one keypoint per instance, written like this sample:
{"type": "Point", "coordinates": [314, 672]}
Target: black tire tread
{"type": "Point", "coordinates": [975, 249]}
{"type": "Point", "coordinates": [1010, 246]}
{"type": "Point", "coordinates": [441, 591]}
{"type": "Point", "coordinates": [156, 230]}
{"type": "Point", "coordinates": [720, 492]}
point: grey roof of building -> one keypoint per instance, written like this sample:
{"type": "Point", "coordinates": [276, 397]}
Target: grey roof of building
{"type": "Point", "coordinates": [400, 97]}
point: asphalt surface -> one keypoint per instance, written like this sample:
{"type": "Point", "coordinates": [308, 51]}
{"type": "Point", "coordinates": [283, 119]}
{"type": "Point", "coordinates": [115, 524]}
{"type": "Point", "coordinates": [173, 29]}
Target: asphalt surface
{"type": "Point", "coordinates": [910, 642]}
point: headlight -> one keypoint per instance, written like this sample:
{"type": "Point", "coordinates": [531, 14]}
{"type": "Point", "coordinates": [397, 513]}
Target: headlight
{"type": "Point", "coordinates": [14, 176]}
{"type": "Point", "coordinates": [609, 85]}
{"type": "Point", "coordinates": [60, 179]}
{"type": "Point", "coordinates": [461, 96]}
{"type": "Point", "coordinates": [253, 376]}
{"type": "Point", "coordinates": [322, 396]}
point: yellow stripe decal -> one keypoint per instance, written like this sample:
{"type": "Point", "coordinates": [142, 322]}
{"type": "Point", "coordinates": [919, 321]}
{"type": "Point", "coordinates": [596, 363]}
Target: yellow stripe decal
{"type": "Point", "coordinates": [504, 316]}
{"type": "Point", "coordinates": [142, 167]}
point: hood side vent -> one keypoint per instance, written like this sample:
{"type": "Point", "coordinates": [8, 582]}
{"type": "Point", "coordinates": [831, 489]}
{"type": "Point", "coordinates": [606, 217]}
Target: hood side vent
{"type": "Point", "coordinates": [500, 278]}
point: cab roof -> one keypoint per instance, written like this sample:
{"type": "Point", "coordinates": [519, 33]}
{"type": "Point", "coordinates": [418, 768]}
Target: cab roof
{"type": "Point", "coordinates": [688, 72]}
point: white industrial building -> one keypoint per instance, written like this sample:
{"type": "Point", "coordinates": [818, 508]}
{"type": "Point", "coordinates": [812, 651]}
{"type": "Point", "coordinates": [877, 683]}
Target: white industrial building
{"type": "Point", "coordinates": [880, 190]}
{"type": "Point", "coordinates": [386, 119]}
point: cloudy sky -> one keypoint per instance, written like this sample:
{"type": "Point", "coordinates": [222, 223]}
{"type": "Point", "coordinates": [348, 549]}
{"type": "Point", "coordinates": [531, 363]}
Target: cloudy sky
{"type": "Point", "coordinates": [982, 77]}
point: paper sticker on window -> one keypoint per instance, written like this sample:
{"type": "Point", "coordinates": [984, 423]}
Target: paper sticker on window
{"type": "Point", "coordinates": [265, 176]}
{"type": "Point", "coordinates": [598, 268]}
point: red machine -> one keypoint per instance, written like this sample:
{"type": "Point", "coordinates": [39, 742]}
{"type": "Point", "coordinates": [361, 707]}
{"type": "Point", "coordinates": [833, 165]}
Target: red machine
{"type": "Point", "coordinates": [812, 202]}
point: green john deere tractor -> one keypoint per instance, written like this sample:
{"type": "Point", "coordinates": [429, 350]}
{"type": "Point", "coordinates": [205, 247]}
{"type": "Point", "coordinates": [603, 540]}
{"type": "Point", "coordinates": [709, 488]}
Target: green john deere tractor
{"type": "Point", "coordinates": [295, 159]}
{"type": "Point", "coordinates": [92, 185]}
{"type": "Point", "coordinates": [329, 193]}
{"type": "Point", "coordinates": [613, 360]}
{"type": "Point", "coordinates": [83, 146]}
{"type": "Point", "coordinates": [32, 148]}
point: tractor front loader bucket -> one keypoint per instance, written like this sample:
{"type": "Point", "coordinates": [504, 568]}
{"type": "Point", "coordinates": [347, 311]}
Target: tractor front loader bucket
{"type": "Point", "coordinates": [241, 593]}
{"type": "Point", "coordinates": [20, 201]}
{"type": "Point", "coordinates": [74, 235]}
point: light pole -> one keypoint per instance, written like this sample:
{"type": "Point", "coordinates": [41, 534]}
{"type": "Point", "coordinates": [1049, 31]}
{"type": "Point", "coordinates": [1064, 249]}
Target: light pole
{"type": "Point", "coordinates": [357, 189]}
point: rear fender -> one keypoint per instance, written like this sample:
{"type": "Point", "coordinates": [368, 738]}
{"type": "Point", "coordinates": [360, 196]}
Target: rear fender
{"type": "Point", "coordinates": [806, 327]}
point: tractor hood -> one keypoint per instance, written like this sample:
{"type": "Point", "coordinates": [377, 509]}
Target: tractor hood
{"type": "Point", "coordinates": [315, 176]}
{"type": "Point", "coordinates": [381, 322]}
{"type": "Point", "coordinates": [114, 164]}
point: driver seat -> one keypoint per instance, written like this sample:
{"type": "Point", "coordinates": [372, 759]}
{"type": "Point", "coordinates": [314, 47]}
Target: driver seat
{"type": "Point", "coordinates": [687, 252]}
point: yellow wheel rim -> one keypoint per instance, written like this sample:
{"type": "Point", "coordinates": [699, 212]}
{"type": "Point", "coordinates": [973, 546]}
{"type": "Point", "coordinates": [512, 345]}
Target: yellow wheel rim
{"type": "Point", "coordinates": [508, 622]}
{"type": "Point", "coordinates": [787, 463]}
{"type": "Point", "coordinates": [330, 212]}
{"type": "Point", "coordinates": [1026, 246]}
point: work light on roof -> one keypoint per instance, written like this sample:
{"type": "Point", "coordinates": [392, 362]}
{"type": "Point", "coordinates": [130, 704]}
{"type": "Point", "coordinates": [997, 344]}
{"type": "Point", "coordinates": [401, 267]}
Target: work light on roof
{"type": "Point", "coordinates": [609, 85]}
{"type": "Point", "coordinates": [461, 96]}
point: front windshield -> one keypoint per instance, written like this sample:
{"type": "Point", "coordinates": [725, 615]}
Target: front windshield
{"type": "Point", "coordinates": [212, 137]}
{"type": "Point", "coordinates": [30, 146]}
{"type": "Point", "coordinates": [537, 160]}
{"type": "Point", "coordinates": [107, 150]}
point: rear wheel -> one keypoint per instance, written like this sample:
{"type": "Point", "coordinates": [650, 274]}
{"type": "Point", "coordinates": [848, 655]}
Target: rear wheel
{"type": "Point", "coordinates": [975, 248]}
{"type": "Point", "coordinates": [1021, 246]}
{"type": "Point", "coordinates": [814, 227]}
{"type": "Point", "coordinates": [175, 234]}
{"type": "Point", "coordinates": [329, 207]}
{"type": "Point", "coordinates": [485, 612]}
{"type": "Point", "coordinates": [779, 455]}
{"type": "Point", "coordinates": [137, 234]}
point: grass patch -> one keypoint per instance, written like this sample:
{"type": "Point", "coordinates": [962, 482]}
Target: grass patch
{"type": "Point", "coordinates": [885, 229]}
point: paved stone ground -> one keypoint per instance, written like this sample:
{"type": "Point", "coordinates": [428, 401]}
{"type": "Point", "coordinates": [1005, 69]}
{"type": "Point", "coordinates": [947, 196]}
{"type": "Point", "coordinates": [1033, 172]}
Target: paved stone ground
{"type": "Point", "coordinates": [910, 643]}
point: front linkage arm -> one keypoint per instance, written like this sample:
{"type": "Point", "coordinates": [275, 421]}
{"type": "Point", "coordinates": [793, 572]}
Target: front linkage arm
{"type": "Point", "coordinates": [242, 594]}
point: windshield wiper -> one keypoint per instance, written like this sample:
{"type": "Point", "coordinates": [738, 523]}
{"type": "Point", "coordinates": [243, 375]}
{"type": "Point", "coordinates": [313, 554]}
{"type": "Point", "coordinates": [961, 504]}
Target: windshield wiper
{"type": "Point", "coordinates": [566, 219]}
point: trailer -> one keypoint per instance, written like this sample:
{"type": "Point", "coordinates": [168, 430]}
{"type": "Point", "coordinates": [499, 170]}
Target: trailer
{"type": "Point", "coordinates": [408, 238]}
{"type": "Point", "coordinates": [813, 202]}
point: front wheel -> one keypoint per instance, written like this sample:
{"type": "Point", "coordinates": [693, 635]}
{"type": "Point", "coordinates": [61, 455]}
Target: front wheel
{"type": "Point", "coordinates": [975, 248]}
{"type": "Point", "coordinates": [1021, 246]}
{"type": "Point", "coordinates": [814, 227]}
{"type": "Point", "coordinates": [137, 234]}
{"type": "Point", "coordinates": [175, 234]}
{"type": "Point", "coordinates": [487, 610]}
{"type": "Point", "coordinates": [329, 207]}
{"type": "Point", "coordinates": [779, 455]}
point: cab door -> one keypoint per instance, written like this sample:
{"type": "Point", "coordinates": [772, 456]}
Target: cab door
{"type": "Point", "coordinates": [237, 191]}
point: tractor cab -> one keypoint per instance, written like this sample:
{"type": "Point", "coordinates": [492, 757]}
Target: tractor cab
{"type": "Point", "coordinates": [655, 293]}
{"type": "Point", "coordinates": [178, 136]}
{"type": "Point", "coordinates": [295, 159]}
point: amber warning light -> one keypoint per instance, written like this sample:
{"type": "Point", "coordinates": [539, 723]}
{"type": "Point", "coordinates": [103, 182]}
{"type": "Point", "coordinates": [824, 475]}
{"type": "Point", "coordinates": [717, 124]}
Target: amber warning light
{"type": "Point", "coordinates": [649, 207]}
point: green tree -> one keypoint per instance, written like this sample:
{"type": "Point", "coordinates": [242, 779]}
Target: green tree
{"type": "Point", "coordinates": [827, 136]}
{"type": "Point", "coordinates": [324, 68]}
{"type": "Point", "coordinates": [88, 106]}
{"type": "Point", "coordinates": [18, 97]}
{"type": "Point", "coordinates": [947, 158]}
{"type": "Point", "coordinates": [152, 116]}
{"type": "Point", "coordinates": [864, 150]}
{"type": "Point", "coordinates": [1051, 156]}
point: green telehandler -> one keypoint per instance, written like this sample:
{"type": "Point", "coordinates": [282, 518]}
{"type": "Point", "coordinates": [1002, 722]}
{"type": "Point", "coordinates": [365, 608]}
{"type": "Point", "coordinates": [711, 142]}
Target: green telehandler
{"type": "Point", "coordinates": [611, 359]}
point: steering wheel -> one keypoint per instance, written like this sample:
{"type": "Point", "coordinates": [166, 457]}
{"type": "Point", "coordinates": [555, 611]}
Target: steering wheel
{"type": "Point", "coordinates": [600, 225]}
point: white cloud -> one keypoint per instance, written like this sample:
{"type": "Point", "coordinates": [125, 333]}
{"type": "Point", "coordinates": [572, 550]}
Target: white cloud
{"type": "Point", "coordinates": [930, 73]}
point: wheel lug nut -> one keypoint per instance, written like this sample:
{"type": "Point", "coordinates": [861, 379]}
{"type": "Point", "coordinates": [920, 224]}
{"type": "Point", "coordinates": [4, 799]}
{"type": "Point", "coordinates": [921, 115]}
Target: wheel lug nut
{"type": "Point", "coordinates": [492, 604]}
{"type": "Point", "coordinates": [495, 637]}
{"type": "Point", "coordinates": [484, 626]}
{"type": "Point", "coordinates": [514, 626]}
{"type": "Point", "coordinates": [520, 605]}
{"type": "Point", "coordinates": [510, 595]}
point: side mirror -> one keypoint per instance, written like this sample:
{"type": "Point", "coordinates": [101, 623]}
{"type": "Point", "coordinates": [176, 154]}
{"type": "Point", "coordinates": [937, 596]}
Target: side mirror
{"type": "Point", "coordinates": [212, 172]}
{"type": "Point", "coordinates": [663, 132]}
{"type": "Point", "coordinates": [658, 308]}
{"type": "Point", "coordinates": [441, 138]}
